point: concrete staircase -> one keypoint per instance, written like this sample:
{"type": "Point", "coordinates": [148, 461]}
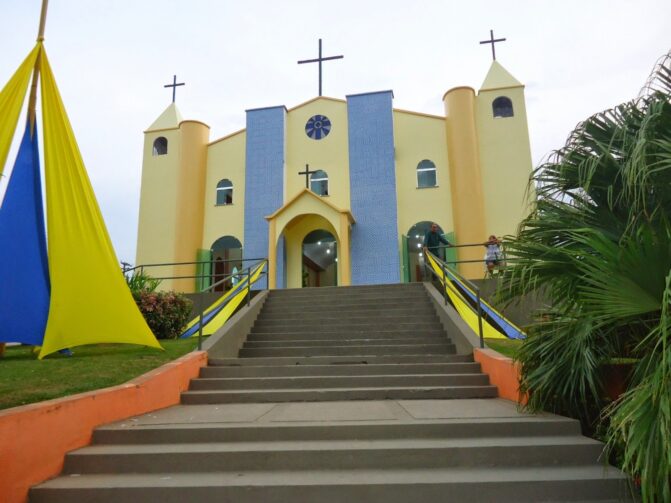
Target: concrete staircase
{"type": "Point", "coordinates": [339, 394]}
{"type": "Point", "coordinates": [357, 343]}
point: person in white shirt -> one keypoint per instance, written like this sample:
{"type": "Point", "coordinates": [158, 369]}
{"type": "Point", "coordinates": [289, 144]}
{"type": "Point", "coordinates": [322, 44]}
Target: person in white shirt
{"type": "Point", "coordinates": [493, 255]}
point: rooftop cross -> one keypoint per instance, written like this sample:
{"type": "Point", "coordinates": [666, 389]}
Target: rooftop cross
{"type": "Point", "coordinates": [492, 41]}
{"type": "Point", "coordinates": [174, 86]}
{"type": "Point", "coordinates": [319, 60]}
{"type": "Point", "coordinates": [307, 174]}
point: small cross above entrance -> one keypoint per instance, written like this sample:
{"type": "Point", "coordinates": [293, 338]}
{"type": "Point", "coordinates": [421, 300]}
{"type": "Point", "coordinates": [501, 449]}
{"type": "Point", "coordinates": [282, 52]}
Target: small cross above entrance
{"type": "Point", "coordinates": [307, 174]}
{"type": "Point", "coordinates": [319, 60]}
{"type": "Point", "coordinates": [492, 41]}
{"type": "Point", "coordinates": [174, 85]}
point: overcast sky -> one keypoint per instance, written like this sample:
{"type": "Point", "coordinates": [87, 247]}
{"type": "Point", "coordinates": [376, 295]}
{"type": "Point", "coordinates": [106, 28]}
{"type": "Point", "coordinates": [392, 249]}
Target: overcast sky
{"type": "Point", "coordinates": [111, 59]}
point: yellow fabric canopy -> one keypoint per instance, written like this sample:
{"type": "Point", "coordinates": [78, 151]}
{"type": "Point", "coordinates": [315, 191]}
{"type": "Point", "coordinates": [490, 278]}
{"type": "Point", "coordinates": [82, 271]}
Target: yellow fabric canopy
{"type": "Point", "coordinates": [90, 301]}
{"type": "Point", "coordinates": [11, 101]}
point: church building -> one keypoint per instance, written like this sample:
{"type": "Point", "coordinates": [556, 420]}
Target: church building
{"type": "Point", "coordinates": [335, 191]}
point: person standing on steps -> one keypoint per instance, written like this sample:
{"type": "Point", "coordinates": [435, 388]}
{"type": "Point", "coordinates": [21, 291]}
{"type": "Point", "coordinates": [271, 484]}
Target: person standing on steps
{"type": "Point", "coordinates": [433, 240]}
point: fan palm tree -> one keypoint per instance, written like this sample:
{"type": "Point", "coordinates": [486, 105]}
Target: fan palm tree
{"type": "Point", "coordinates": [597, 244]}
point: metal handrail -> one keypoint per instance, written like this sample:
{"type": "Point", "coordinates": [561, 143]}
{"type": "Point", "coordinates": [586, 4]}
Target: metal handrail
{"type": "Point", "coordinates": [128, 268]}
{"type": "Point", "coordinates": [472, 261]}
{"type": "Point", "coordinates": [466, 245]}
{"type": "Point", "coordinates": [472, 285]}
{"type": "Point", "coordinates": [240, 274]}
{"type": "Point", "coordinates": [201, 308]}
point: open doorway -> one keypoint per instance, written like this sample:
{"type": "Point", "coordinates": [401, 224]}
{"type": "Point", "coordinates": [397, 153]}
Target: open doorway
{"type": "Point", "coordinates": [415, 253]}
{"type": "Point", "coordinates": [227, 260]}
{"type": "Point", "coordinates": [320, 259]}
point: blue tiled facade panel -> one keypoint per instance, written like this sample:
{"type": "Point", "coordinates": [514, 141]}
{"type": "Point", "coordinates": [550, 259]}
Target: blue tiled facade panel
{"type": "Point", "coordinates": [265, 154]}
{"type": "Point", "coordinates": [374, 246]}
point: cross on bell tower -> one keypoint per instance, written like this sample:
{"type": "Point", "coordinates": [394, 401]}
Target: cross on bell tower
{"type": "Point", "coordinates": [174, 85]}
{"type": "Point", "coordinates": [492, 41]}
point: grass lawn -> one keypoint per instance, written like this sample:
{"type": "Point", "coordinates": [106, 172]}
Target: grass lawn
{"type": "Point", "coordinates": [507, 347]}
{"type": "Point", "coordinates": [24, 379]}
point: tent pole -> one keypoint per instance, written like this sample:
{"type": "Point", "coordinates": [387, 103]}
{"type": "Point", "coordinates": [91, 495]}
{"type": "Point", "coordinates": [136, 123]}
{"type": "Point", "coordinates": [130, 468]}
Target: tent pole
{"type": "Point", "coordinates": [36, 74]}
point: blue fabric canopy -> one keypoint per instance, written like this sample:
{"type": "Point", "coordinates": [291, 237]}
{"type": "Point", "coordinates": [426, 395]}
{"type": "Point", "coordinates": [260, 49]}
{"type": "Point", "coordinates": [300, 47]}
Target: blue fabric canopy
{"type": "Point", "coordinates": [24, 273]}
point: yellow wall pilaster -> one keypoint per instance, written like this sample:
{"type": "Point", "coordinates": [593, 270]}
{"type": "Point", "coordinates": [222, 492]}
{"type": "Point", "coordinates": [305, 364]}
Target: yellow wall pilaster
{"type": "Point", "coordinates": [189, 221]}
{"type": "Point", "coordinates": [465, 175]}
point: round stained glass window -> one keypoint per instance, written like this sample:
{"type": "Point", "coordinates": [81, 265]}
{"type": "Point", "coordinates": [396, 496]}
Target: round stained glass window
{"type": "Point", "coordinates": [317, 127]}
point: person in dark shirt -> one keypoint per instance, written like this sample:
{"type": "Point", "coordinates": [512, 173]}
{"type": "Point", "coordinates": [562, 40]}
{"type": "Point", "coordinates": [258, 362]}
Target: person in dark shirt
{"type": "Point", "coordinates": [433, 240]}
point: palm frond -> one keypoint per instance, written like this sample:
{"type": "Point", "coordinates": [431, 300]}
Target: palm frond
{"type": "Point", "coordinates": [597, 244]}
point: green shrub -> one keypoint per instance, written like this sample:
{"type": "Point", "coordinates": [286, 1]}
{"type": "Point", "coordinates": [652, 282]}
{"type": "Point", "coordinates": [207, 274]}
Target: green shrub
{"type": "Point", "coordinates": [166, 313]}
{"type": "Point", "coordinates": [140, 281]}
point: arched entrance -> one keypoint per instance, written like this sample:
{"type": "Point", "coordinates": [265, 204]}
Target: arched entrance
{"type": "Point", "coordinates": [415, 254]}
{"type": "Point", "coordinates": [309, 243]}
{"type": "Point", "coordinates": [320, 259]}
{"type": "Point", "coordinates": [226, 259]}
{"type": "Point", "coordinates": [287, 229]}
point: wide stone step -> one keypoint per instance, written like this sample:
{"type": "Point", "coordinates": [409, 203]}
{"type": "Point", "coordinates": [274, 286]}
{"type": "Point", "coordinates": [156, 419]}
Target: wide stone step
{"type": "Point", "coordinates": [396, 349]}
{"type": "Point", "coordinates": [331, 333]}
{"type": "Point", "coordinates": [336, 394]}
{"type": "Point", "coordinates": [445, 485]}
{"type": "Point", "coordinates": [335, 316]}
{"type": "Point", "coordinates": [355, 326]}
{"type": "Point", "coordinates": [333, 455]}
{"type": "Point", "coordinates": [345, 322]}
{"type": "Point", "coordinates": [303, 342]}
{"type": "Point", "coordinates": [340, 370]}
{"type": "Point", "coordinates": [380, 308]}
{"type": "Point", "coordinates": [370, 298]}
{"type": "Point", "coordinates": [340, 360]}
{"type": "Point", "coordinates": [330, 293]}
{"type": "Point", "coordinates": [344, 334]}
{"type": "Point", "coordinates": [468, 427]}
{"type": "Point", "coordinates": [345, 302]}
{"type": "Point", "coordinates": [328, 290]}
{"type": "Point", "coordinates": [337, 382]}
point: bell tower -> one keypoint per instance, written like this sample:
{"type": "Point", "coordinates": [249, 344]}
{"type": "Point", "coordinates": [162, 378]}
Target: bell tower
{"type": "Point", "coordinates": [170, 225]}
{"type": "Point", "coordinates": [505, 152]}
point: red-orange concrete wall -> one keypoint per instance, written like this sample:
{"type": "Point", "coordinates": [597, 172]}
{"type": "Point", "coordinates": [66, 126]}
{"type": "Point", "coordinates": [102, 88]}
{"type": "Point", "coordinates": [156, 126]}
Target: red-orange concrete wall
{"type": "Point", "coordinates": [503, 373]}
{"type": "Point", "coordinates": [34, 438]}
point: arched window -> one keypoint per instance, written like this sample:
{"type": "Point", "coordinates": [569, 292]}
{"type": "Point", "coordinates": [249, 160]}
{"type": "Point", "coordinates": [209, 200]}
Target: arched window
{"type": "Point", "coordinates": [426, 174]}
{"type": "Point", "coordinates": [502, 107]}
{"type": "Point", "coordinates": [224, 192]}
{"type": "Point", "coordinates": [160, 146]}
{"type": "Point", "coordinates": [319, 183]}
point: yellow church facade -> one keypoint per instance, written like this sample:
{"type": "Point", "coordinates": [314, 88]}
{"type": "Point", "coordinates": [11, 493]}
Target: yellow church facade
{"type": "Point", "coordinates": [373, 178]}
